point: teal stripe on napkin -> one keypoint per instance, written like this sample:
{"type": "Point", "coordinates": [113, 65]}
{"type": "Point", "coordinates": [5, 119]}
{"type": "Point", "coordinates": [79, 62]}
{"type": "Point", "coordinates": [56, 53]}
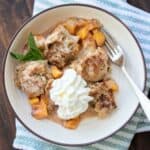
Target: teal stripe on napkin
{"type": "Point", "coordinates": [136, 20]}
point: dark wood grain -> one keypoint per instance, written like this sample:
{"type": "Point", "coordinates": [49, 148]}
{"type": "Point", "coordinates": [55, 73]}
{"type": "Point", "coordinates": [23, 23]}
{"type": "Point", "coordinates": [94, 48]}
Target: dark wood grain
{"type": "Point", "coordinates": [12, 14]}
{"type": "Point", "coordinates": [141, 141]}
{"type": "Point", "coordinates": [142, 4]}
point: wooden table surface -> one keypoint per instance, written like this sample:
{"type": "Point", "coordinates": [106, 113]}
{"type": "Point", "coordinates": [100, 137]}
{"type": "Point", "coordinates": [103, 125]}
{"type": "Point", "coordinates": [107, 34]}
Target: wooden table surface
{"type": "Point", "coordinates": [12, 14]}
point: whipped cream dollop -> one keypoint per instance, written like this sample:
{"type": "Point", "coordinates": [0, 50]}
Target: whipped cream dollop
{"type": "Point", "coordinates": [71, 94]}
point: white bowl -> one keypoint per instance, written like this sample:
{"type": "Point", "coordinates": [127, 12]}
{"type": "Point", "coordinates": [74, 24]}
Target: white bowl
{"type": "Point", "coordinates": [91, 129]}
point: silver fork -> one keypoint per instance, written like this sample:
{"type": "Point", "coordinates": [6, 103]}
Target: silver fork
{"type": "Point", "coordinates": [115, 53]}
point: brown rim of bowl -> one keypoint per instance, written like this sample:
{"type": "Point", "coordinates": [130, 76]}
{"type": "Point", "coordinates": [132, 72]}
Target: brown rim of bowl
{"type": "Point", "coordinates": [64, 5]}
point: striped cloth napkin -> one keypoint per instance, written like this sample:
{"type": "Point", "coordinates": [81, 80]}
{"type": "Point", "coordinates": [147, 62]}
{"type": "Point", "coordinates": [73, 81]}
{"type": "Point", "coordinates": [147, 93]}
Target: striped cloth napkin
{"type": "Point", "coordinates": [137, 20]}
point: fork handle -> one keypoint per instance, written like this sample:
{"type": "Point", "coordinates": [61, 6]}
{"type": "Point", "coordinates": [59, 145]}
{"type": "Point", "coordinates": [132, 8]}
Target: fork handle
{"type": "Point", "coordinates": [144, 101]}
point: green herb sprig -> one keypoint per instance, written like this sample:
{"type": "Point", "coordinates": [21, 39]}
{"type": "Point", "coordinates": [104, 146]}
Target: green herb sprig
{"type": "Point", "coordinates": [34, 53]}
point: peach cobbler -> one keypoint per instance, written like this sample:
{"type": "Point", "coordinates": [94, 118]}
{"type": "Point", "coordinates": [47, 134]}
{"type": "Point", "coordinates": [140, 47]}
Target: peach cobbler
{"type": "Point", "coordinates": [66, 73]}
